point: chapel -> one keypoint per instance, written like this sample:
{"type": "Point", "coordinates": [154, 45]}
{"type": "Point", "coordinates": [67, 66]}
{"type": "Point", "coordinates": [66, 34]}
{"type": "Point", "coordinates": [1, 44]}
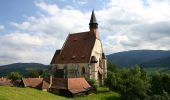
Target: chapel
{"type": "Point", "coordinates": [82, 55]}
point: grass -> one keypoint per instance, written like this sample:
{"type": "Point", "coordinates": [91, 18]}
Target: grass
{"type": "Point", "coordinates": [14, 93]}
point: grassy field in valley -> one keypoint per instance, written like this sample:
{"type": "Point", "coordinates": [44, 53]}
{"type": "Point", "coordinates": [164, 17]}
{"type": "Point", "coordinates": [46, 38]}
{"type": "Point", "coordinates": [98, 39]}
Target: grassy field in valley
{"type": "Point", "coordinates": [14, 93]}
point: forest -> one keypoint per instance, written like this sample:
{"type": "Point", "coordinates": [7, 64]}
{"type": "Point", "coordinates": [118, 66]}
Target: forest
{"type": "Point", "coordinates": [134, 83]}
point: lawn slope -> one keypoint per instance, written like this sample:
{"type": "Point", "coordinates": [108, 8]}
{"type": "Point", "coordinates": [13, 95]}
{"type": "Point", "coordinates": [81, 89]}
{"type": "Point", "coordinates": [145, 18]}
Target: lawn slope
{"type": "Point", "coordinates": [13, 93]}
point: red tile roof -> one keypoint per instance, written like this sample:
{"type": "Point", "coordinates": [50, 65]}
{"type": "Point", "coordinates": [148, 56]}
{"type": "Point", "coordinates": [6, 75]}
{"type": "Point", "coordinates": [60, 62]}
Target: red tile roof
{"type": "Point", "coordinates": [32, 82]}
{"type": "Point", "coordinates": [59, 83]}
{"type": "Point", "coordinates": [77, 49]}
{"type": "Point", "coordinates": [40, 83]}
{"type": "Point", "coordinates": [74, 85]}
{"type": "Point", "coordinates": [77, 85]}
{"type": "Point", "coordinates": [44, 85]}
{"type": "Point", "coordinates": [5, 82]}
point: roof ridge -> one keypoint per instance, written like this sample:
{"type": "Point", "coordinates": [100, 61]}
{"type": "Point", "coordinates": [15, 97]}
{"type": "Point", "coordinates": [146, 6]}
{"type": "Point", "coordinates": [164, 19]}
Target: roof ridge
{"type": "Point", "coordinates": [79, 32]}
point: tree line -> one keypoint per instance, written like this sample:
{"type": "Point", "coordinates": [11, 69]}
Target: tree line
{"type": "Point", "coordinates": [31, 74]}
{"type": "Point", "coordinates": [135, 83]}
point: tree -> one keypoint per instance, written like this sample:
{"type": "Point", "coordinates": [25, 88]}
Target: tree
{"type": "Point", "coordinates": [135, 84]}
{"type": "Point", "coordinates": [160, 83]}
{"type": "Point", "coordinates": [40, 72]}
{"type": "Point", "coordinates": [45, 73]}
{"type": "Point", "coordinates": [92, 82]}
{"type": "Point", "coordinates": [132, 83]}
{"type": "Point", "coordinates": [163, 96]}
{"type": "Point", "coordinates": [14, 76]}
{"type": "Point", "coordinates": [156, 86]}
{"type": "Point", "coordinates": [110, 81]}
{"type": "Point", "coordinates": [33, 73]}
{"type": "Point", "coordinates": [112, 67]}
{"type": "Point", "coordinates": [165, 80]}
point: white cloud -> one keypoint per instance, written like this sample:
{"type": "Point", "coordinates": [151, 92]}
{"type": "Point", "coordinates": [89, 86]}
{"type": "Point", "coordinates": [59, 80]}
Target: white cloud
{"type": "Point", "coordinates": [50, 9]}
{"type": "Point", "coordinates": [2, 27]}
{"type": "Point", "coordinates": [143, 26]}
{"type": "Point", "coordinates": [23, 26]}
{"type": "Point", "coordinates": [37, 38]}
{"type": "Point", "coordinates": [123, 25]}
{"type": "Point", "coordinates": [23, 47]}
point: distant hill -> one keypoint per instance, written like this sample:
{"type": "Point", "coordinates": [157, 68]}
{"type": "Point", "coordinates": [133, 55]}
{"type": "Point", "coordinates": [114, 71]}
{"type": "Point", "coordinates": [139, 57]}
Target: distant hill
{"type": "Point", "coordinates": [161, 62]}
{"type": "Point", "coordinates": [146, 58]}
{"type": "Point", "coordinates": [21, 67]}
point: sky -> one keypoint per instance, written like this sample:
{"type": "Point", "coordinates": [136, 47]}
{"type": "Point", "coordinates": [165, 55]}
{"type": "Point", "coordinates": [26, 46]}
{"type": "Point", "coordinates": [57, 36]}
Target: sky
{"type": "Point", "coordinates": [32, 30]}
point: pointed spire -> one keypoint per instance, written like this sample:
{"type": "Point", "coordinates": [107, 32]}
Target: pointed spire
{"type": "Point", "coordinates": [93, 22]}
{"type": "Point", "coordinates": [93, 25]}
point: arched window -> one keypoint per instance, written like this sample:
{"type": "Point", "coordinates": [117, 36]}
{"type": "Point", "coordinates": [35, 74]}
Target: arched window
{"type": "Point", "coordinates": [83, 71]}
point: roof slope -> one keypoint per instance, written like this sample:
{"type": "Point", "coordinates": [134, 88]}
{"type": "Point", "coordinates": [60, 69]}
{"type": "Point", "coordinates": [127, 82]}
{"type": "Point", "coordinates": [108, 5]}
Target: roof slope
{"type": "Point", "coordinates": [41, 83]}
{"type": "Point", "coordinates": [32, 82]}
{"type": "Point", "coordinates": [59, 83]}
{"type": "Point", "coordinates": [5, 82]}
{"type": "Point", "coordinates": [77, 49]}
{"type": "Point", "coordinates": [74, 85]}
{"type": "Point", "coordinates": [44, 85]}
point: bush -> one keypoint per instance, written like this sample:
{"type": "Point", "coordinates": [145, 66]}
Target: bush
{"type": "Point", "coordinates": [160, 85]}
{"type": "Point", "coordinates": [33, 73]}
{"type": "Point", "coordinates": [132, 83]}
{"type": "Point", "coordinates": [14, 76]}
{"type": "Point", "coordinates": [164, 96]}
{"type": "Point", "coordinates": [92, 82]}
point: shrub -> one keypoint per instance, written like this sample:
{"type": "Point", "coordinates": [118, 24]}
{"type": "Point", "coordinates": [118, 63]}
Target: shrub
{"type": "Point", "coordinates": [92, 82]}
{"type": "Point", "coordinates": [132, 83]}
{"type": "Point", "coordinates": [33, 74]}
{"type": "Point", "coordinates": [14, 76]}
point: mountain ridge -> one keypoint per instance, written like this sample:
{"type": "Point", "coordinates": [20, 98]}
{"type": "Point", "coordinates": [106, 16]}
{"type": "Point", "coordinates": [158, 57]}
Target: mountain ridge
{"type": "Point", "coordinates": [144, 58]}
{"type": "Point", "coordinates": [23, 68]}
{"type": "Point", "coordinates": [139, 57]}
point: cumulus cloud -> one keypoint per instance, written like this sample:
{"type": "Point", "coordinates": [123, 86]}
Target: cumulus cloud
{"type": "Point", "coordinates": [123, 25]}
{"type": "Point", "coordinates": [135, 24]}
{"type": "Point", "coordinates": [2, 27]}
{"type": "Point", "coordinates": [23, 47]}
{"type": "Point", "coordinates": [162, 27]}
{"type": "Point", "coordinates": [37, 38]}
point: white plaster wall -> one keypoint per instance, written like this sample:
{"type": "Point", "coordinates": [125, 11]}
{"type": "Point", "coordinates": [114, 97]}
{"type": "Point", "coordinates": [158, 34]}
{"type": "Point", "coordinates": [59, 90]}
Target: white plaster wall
{"type": "Point", "coordinates": [97, 52]}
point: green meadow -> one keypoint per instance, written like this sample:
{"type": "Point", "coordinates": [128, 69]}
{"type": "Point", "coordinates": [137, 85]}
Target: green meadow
{"type": "Point", "coordinates": [14, 93]}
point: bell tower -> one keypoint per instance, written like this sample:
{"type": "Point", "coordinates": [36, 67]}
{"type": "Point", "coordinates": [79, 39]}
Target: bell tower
{"type": "Point", "coordinates": [93, 25]}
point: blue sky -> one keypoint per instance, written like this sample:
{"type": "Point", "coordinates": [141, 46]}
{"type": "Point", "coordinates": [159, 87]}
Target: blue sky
{"type": "Point", "coordinates": [31, 30]}
{"type": "Point", "coordinates": [16, 10]}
